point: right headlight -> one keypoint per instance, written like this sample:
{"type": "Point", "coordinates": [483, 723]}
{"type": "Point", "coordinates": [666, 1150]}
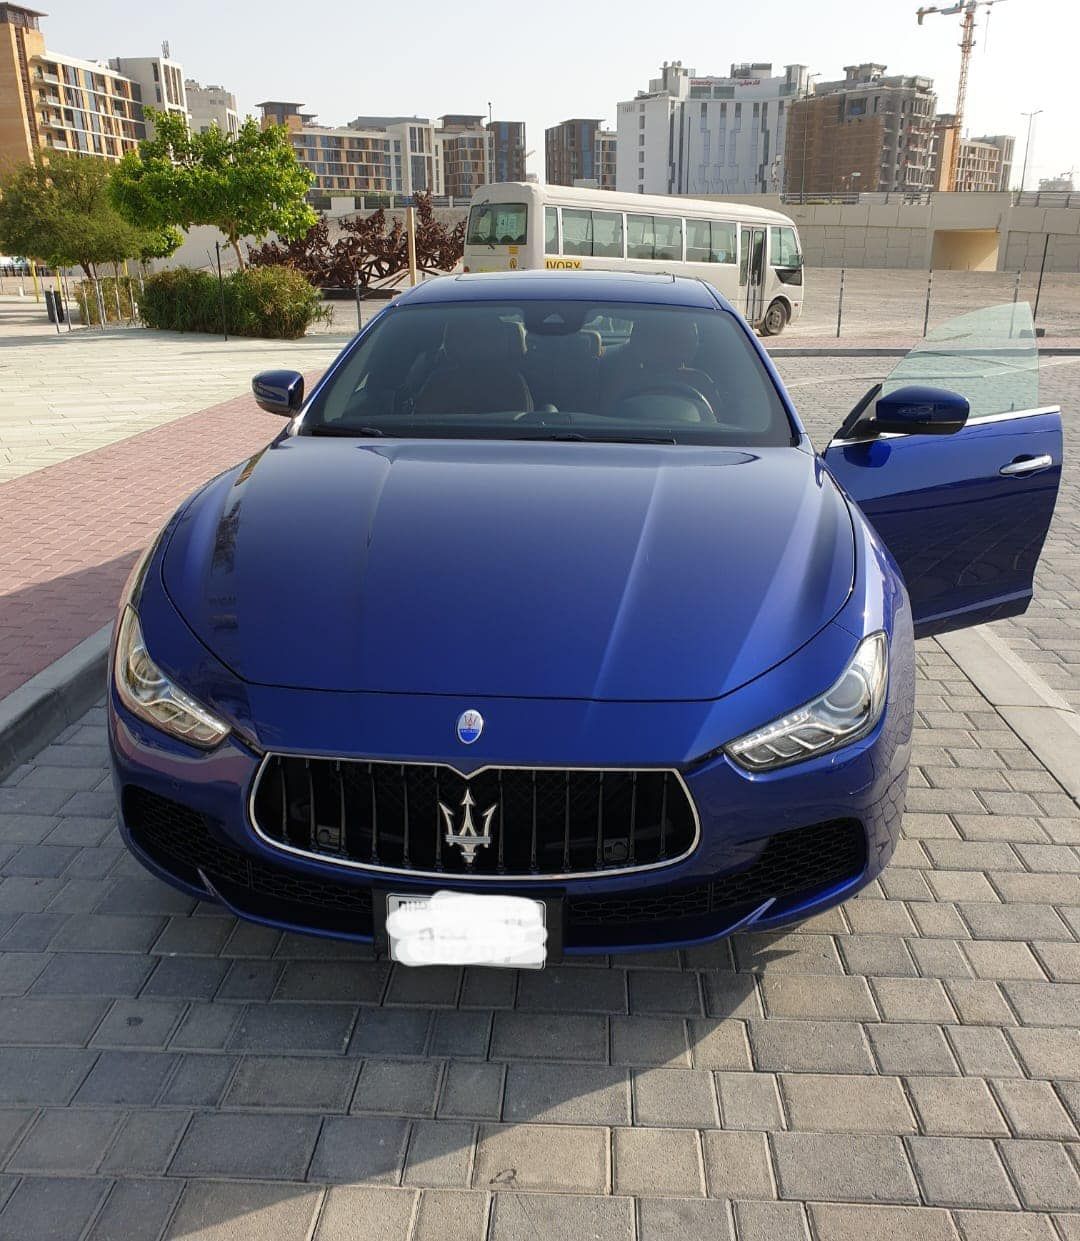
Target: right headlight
{"type": "Point", "coordinates": [148, 693]}
{"type": "Point", "coordinates": [848, 710]}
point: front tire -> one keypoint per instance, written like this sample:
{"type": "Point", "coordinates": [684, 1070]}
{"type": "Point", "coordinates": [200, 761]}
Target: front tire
{"type": "Point", "coordinates": [775, 319]}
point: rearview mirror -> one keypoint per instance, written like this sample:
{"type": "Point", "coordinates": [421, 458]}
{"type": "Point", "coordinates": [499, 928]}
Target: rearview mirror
{"type": "Point", "coordinates": [918, 410]}
{"type": "Point", "coordinates": [279, 392]}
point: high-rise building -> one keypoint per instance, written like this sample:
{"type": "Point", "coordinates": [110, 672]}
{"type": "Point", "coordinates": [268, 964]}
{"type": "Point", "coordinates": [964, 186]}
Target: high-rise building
{"type": "Point", "coordinates": [400, 154]}
{"type": "Point", "coordinates": [465, 151]}
{"type": "Point", "coordinates": [580, 152]}
{"type": "Point", "coordinates": [211, 105]}
{"type": "Point", "coordinates": [507, 150]}
{"type": "Point", "coordinates": [160, 80]}
{"type": "Point", "coordinates": [707, 135]}
{"type": "Point", "coordinates": [49, 101]}
{"type": "Point", "coordinates": [865, 132]}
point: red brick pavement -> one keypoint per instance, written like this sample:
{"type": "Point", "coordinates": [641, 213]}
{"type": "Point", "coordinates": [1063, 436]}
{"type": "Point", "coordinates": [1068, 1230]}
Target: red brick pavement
{"type": "Point", "coordinates": [69, 533]}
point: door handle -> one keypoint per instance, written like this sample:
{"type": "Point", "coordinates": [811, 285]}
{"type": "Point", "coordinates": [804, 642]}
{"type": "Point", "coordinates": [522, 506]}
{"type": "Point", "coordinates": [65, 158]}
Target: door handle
{"type": "Point", "coordinates": [1026, 465]}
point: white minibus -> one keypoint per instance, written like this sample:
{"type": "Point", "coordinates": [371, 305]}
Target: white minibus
{"type": "Point", "coordinates": [751, 255]}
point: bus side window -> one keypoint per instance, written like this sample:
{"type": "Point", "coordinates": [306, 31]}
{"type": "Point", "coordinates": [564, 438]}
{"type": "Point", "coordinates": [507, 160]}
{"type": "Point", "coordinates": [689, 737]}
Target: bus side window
{"type": "Point", "coordinates": [640, 237]}
{"type": "Point", "coordinates": [699, 241]}
{"type": "Point", "coordinates": [551, 230]}
{"type": "Point", "coordinates": [668, 237]}
{"type": "Point", "coordinates": [576, 231]}
{"type": "Point", "coordinates": [723, 242]}
{"type": "Point", "coordinates": [607, 234]}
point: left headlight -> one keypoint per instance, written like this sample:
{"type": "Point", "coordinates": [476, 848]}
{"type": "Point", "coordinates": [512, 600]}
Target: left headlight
{"type": "Point", "coordinates": [848, 710]}
{"type": "Point", "coordinates": [148, 693]}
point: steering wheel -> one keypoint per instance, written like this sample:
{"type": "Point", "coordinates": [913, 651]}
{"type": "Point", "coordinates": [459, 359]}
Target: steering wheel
{"type": "Point", "coordinates": [687, 391]}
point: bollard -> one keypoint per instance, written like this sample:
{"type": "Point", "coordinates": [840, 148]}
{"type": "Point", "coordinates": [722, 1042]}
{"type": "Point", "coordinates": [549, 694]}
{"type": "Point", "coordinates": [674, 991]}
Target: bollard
{"type": "Point", "coordinates": [100, 303]}
{"type": "Point", "coordinates": [221, 291]}
{"type": "Point", "coordinates": [926, 313]}
{"type": "Point", "coordinates": [410, 231]}
{"type": "Point", "coordinates": [840, 303]}
{"type": "Point", "coordinates": [1038, 288]}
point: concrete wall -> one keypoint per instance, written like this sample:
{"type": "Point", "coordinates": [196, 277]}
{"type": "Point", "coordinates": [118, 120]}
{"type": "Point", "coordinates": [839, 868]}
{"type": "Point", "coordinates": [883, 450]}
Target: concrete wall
{"type": "Point", "coordinates": [957, 231]}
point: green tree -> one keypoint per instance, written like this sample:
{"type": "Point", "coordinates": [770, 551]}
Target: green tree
{"type": "Point", "coordinates": [59, 210]}
{"type": "Point", "coordinates": [246, 185]}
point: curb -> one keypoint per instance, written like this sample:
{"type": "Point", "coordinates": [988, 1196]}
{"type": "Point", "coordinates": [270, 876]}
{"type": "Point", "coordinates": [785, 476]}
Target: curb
{"type": "Point", "coordinates": [1035, 712]}
{"type": "Point", "coordinates": [35, 713]}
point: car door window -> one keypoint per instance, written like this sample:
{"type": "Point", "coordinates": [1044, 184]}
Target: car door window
{"type": "Point", "coordinates": [989, 356]}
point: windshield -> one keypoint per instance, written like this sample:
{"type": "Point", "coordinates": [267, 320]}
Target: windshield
{"type": "Point", "coordinates": [554, 370]}
{"type": "Point", "coordinates": [501, 224]}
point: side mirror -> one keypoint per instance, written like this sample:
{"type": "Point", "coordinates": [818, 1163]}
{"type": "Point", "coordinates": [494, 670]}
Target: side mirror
{"type": "Point", "coordinates": [918, 410]}
{"type": "Point", "coordinates": [279, 392]}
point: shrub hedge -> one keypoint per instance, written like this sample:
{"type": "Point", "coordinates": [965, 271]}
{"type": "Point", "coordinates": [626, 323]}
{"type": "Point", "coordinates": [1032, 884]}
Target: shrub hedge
{"type": "Point", "coordinates": [261, 301]}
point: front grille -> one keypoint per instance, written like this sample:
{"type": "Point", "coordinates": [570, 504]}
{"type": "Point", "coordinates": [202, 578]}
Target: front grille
{"type": "Point", "coordinates": [501, 822]}
{"type": "Point", "coordinates": [180, 840]}
{"type": "Point", "coordinates": [799, 861]}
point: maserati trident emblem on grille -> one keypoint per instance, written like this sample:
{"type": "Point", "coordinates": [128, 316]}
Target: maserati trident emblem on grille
{"type": "Point", "coordinates": [468, 840]}
{"type": "Point", "coordinates": [470, 725]}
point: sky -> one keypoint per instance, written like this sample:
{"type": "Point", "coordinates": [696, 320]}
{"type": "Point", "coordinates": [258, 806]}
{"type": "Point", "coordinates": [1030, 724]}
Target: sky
{"type": "Point", "coordinates": [545, 62]}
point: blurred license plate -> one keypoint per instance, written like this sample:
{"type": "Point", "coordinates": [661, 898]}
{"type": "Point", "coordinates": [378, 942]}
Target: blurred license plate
{"type": "Point", "coordinates": [462, 928]}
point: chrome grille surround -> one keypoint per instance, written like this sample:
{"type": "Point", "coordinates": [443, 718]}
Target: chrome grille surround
{"type": "Point", "coordinates": [279, 840]}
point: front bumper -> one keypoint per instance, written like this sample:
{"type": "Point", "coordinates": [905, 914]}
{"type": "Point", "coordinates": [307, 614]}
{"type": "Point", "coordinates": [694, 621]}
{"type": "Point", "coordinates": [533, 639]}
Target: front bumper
{"type": "Point", "coordinates": [773, 848]}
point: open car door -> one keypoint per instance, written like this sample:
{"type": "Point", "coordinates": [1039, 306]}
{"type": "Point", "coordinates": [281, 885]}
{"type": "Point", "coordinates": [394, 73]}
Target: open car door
{"type": "Point", "coordinates": [965, 513]}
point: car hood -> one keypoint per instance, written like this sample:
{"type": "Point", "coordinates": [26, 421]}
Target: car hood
{"type": "Point", "coordinates": [500, 568]}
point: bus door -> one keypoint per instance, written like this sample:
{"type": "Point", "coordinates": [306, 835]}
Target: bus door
{"type": "Point", "coordinates": [752, 272]}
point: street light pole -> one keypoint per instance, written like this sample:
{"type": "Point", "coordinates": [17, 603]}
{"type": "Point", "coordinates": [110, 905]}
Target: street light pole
{"type": "Point", "coordinates": [1027, 145]}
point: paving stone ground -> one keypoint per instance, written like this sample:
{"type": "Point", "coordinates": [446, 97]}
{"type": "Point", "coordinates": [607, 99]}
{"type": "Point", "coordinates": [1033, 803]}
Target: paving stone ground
{"type": "Point", "coordinates": [904, 1067]}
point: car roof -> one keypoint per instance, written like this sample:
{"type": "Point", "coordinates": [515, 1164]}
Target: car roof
{"type": "Point", "coordinates": [587, 286]}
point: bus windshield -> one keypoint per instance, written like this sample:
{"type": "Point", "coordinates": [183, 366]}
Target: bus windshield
{"type": "Point", "coordinates": [497, 224]}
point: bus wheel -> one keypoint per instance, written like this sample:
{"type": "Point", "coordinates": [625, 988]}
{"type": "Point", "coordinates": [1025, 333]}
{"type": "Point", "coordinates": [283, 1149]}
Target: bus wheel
{"type": "Point", "coordinates": [775, 319]}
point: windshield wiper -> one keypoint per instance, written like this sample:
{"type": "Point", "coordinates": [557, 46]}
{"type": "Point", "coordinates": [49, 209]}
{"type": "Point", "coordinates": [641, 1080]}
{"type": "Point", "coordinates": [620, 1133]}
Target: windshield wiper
{"type": "Point", "coordinates": [324, 428]}
{"type": "Point", "coordinates": [576, 436]}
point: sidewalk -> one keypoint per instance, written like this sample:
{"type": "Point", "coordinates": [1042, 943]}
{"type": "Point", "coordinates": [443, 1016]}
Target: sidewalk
{"type": "Point", "coordinates": [72, 530]}
{"type": "Point", "coordinates": [62, 395]}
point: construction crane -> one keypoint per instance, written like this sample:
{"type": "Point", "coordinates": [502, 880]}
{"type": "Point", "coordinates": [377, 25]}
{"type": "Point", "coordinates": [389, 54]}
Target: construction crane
{"type": "Point", "coordinates": [966, 9]}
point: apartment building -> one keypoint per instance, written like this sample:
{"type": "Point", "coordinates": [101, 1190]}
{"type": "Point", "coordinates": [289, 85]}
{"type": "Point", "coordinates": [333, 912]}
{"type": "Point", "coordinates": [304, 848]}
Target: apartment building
{"type": "Point", "coordinates": [160, 81]}
{"type": "Point", "coordinates": [209, 106]}
{"type": "Point", "coordinates": [400, 154]}
{"type": "Point", "coordinates": [985, 164]}
{"type": "Point", "coordinates": [580, 152]}
{"type": "Point", "coordinates": [689, 134]}
{"type": "Point", "coordinates": [865, 132]}
{"type": "Point", "coordinates": [50, 101]}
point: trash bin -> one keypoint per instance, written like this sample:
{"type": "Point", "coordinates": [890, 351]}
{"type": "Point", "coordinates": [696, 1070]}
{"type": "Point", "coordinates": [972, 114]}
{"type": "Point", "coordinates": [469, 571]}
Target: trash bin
{"type": "Point", "coordinates": [54, 304]}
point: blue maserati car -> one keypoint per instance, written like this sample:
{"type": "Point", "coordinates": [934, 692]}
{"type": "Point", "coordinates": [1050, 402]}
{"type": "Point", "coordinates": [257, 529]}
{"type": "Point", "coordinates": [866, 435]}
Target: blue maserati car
{"type": "Point", "coordinates": [543, 629]}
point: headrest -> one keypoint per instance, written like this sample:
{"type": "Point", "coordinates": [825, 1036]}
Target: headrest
{"type": "Point", "coordinates": [483, 337]}
{"type": "Point", "coordinates": [666, 339]}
